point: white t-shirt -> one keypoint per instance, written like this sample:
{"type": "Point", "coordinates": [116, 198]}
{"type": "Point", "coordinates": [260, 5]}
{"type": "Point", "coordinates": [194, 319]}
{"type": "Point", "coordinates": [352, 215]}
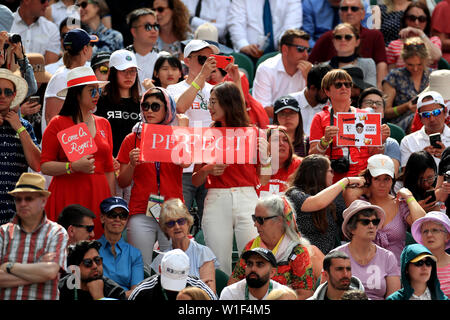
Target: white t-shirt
{"type": "Point", "coordinates": [236, 291]}
{"type": "Point", "coordinates": [146, 64]}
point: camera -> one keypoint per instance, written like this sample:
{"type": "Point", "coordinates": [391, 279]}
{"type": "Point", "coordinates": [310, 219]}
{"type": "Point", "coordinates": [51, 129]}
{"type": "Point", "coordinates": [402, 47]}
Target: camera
{"type": "Point", "coordinates": [14, 38]}
{"type": "Point", "coordinates": [340, 165]}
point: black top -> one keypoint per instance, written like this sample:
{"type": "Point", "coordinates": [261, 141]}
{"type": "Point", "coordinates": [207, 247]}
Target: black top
{"type": "Point", "coordinates": [110, 289]}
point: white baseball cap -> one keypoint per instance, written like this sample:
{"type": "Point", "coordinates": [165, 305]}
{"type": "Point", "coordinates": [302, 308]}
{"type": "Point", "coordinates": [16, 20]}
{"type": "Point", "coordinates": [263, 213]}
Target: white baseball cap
{"type": "Point", "coordinates": [175, 268]}
{"type": "Point", "coordinates": [380, 164]}
{"type": "Point", "coordinates": [123, 59]}
{"type": "Point", "coordinates": [436, 98]}
{"type": "Point", "coordinates": [197, 45]}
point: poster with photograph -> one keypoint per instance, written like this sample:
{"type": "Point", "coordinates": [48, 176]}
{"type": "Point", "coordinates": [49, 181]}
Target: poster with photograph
{"type": "Point", "coordinates": [359, 129]}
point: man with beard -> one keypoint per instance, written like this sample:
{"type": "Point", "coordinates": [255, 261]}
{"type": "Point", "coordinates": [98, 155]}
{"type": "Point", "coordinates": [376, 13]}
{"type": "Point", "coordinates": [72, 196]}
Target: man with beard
{"type": "Point", "coordinates": [337, 273]}
{"type": "Point", "coordinates": [86, 282]}
{"type": "Point", "coordinates": [260, 267]}
{"type": "Point", "coordinates": [312, 99]}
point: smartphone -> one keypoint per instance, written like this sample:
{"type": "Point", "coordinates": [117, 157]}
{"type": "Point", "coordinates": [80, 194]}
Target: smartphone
{"type": "Point", "coordinates": [34, 99]}
{"type": "Point", "coordinates": [414, 101]}
{"type": "Point", "coordinates": [447, 176]}
{"type": "Point", "coordinates": [432, 194]}
{"type": "Point", "coordinates": [222, 61]}
{"type": "Point", "coordinates": [434, 138]}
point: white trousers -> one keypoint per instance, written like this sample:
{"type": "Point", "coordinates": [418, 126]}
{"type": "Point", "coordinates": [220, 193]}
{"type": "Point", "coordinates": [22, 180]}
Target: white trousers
{"type": "Point", "coordinates": [228, 211]}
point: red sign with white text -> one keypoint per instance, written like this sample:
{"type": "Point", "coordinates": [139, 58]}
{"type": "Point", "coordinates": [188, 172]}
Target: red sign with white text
{"type": "Point", "coordinates": [77, 142]}
{"type": "Point", "coordinates": [198, 145]}
{"type": "Point", "coordinates": [359, 129]}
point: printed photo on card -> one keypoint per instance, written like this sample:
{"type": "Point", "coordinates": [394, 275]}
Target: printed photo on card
{"type": "Point", "coordinates": [359, 129]}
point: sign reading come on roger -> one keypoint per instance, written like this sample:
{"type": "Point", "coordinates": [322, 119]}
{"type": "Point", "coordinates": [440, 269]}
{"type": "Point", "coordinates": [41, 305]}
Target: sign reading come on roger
{"type": "Point", "coordinates": [77, 142]}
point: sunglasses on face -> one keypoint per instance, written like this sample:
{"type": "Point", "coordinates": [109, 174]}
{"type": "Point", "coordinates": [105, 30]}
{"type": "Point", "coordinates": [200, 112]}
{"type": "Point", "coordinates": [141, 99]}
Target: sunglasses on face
{"type": "Point", "coordinates": [88, 228]}
{"type": "Point", "coordinates": [89, 262]}
{"type": "Point", "coordinates": [147, 106]}
{"type": "Point", "coordinates": [180, 222]}
{"type": "Point", "coordinates": [299, 48]}
{"type": "Point", "coordinates": [83, 4]}
{"type": "Point", "coordinates": [365, 222]}
{"type": "Point", "coordinates": [103, 69]}
{"type": "Point", "coordinates": [428, 262]}
{"type": "Point", "coordinates": [159, 9]}
{"type": "Point", "coordinates": [428, 114]}
{"type": "Point", "coordinates": [149, 26]}
{"type": "Point", "coordinates": [347, 37]}
{"type": "Point", "coordinates": [95, 91]}
{"type": "Point", "coordinates": [261, 220]}
{"type": "Point", "coordinates": [113, 215]}
{"type": "Point", "coordinates": [413, 18]}
{"type": "Point", "coordinates": [345, 8]}
{"type": "Point", "coordinates": [7, 91]}
{"type": "Point", "coordinates": [201, 59]}
{"type": "Point", "coordinates": [27, 199]}
{"type": "Point", "coordinates": [339, 85]}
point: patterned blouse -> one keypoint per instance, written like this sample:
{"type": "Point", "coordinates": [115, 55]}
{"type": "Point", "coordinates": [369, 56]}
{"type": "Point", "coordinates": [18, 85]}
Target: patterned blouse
{"type": "Point", "coordinates": [390, 24]}
{"type": "Point", "coordinates": [109, 40]}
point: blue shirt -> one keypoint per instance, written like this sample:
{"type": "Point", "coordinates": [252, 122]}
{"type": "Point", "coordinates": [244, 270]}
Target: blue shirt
{"type": "Point", "coordinates": [126, 268]}
{"type": "Point", "coordinates": [318, 18]}
{"type": "Point", "coordinates": [109, 40]}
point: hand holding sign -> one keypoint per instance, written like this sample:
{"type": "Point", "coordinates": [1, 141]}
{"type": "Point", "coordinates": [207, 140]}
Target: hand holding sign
{"type": "Point", "coordinates": [85, 164]}
{"type": "Point", "coordinates": [77, 142]}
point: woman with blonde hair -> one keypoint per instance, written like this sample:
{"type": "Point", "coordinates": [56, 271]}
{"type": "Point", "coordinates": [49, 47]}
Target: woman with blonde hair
{"type": "Point", "coordinates": [193, 293]}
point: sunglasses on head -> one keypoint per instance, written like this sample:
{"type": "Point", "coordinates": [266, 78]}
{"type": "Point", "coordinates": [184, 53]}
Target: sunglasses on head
{"type": "Point", "coordinates": [89, 262]}
{"type": "Point", "coordinates": [94, 92]}
{"type": "Point", "coordinates": [88, 228]}
{"type": "Point", "coordinates": [428, 262]}
{"type": "Point", "coordinates": [347, 37]}
{"type": "Point", "coordinates": [345, 8]}
{"type": "Point", "coordinates": [413, 18]}
{"type": "Point", "coordinates": [299, 48]}
{"type": "Point", "coordinates": [7, 91]}
{"type": "Point", "coordinates": [427, 114]}
{"type": "Point", "coordinates": [114, 215]}
{"type": "Point", "coordinates": [103, 69]}
{"type": "Point", "coordinates": [339, 85]}
{"type": "Point", "coordinates": [180, 222]}
{"type": "Point", "coordinates": [159, 9]}
{"type": "Point", "coordinates": [147, 106]}
{"type": "Point", "coordinates": [261, 220]}
{"type": "Point", "coordinates": [365, 222]}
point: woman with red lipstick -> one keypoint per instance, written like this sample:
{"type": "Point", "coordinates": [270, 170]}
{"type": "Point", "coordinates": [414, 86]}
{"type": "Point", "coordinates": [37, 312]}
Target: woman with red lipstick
{"type": "Point", "coordinates": [91, 179]}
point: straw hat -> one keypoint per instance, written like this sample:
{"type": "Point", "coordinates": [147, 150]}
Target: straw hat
{"type": "Point", "coordinates": [30, 182]}
{"type": "Point", "coordinates": [20, 84]}
{"type": "Point", "coordinates": [80, 76]}
{"type": "Point", "coordinates": [439, 80]}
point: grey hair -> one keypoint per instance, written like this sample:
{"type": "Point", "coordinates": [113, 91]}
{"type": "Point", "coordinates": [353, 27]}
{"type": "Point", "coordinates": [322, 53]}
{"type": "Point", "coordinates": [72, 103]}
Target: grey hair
{"type": "Point", "coordinates": [361, 2]}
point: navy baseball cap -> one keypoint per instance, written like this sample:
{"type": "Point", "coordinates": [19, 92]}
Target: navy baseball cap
{"type": "Point", "coordinates": [285, 102]}
{"type": "Point", "coordinates": [113, 202]}
{"type": "Point", "coordinates": [76, 39]}
{"type": "Point", "coordinates": [263, 252]}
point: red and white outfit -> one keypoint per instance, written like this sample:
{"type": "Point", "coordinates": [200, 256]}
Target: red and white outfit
{"type": "Point", "coordinates": [279, 182]}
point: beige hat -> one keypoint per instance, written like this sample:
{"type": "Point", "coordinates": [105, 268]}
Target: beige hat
{"type": "Point", "coordinates": [379, 164]}
{"type": "Point", "coordinates": [30, 182]}
{"type": "Point", "coordinates": [207, 31]}
{"type": "Point", "coordinates": [20, 84]}
{"type": "Point", "coordinates": [37, 61]}
{"type": "Point", "coordinates": [439, 81]}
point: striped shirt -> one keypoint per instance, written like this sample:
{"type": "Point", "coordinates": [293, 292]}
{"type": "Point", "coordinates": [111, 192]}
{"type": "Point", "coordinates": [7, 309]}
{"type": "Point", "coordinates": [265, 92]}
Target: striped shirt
{"type": "Point", "coordinates": [394, 52]}
{"type": "Point", "coordinates": [444, 279]}
{"type": "Point", "coordinates": [16, 245]}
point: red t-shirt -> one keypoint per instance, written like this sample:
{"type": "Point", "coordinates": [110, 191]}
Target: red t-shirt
{"type": "Point", "coordinates": [145, 178]}
{"type": "Point", "coordinates": [235, 175]}
{"type": "Point", "coordinates": [278, 182]}
{"type": "Point", "coordinates": [358, 155]}
{"type": "Point", "coordinates": [439, 21]}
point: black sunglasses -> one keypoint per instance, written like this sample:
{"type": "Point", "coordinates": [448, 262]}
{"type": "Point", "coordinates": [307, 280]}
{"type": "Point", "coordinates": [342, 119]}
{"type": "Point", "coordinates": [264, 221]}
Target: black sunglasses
{"type": "Point", "coordinates": [339, 85]}
{"type": "Point", "coordinates": [345, 8]}
{"type": "Point", "coordinates": [365, 222]}
{"type": "Point", "coordinates": [347, 37]}
{"type": "Point", "coordinates": [7, 91]}
{"type": "Point", "coordinates": [201, 59]}
{"type": "Point", "coordinates": [149, 26]}
{"type": "Point", "coordinates": [413, 18]}
{"type": "Point", "coordinates": [171, 224]}
{"type": "Point", "coordinates": [299, 48]}
{"type": "Point", "coordinates": [43, 1]}
{"type": "Point", "coordinates": [261, 220]}
{"type": "Point", "coordinates": [159, 9]}
{"type": "Point", "coordinates": [88, 228]}
{"type": "Point", "coordinates": [82, 4]}
{"type": "Point", "coordinates": [428, 262]}
{"type": "Point", "coordinates": [121, 215]}
{"type": "Point", "coordinates": [89, 262]}
{"type": "Point", "coordinates": [154, 106]}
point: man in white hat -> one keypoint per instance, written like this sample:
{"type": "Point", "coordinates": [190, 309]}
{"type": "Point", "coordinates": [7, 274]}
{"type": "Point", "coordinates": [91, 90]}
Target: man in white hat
{"type": "Point", "coordinates": [31, 237]}
{"type": "Point", "coordinates": [17, 139]}
{"type": "Point", "coordinates": [174, 276]}
{"type": "Point", "coordinates": [432, 111]}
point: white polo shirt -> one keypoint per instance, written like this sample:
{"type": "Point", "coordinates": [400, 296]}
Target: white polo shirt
{"type": "Point", "coordinates": [418, 140]}
{"type": "Point", "coordinates": [272, 81]}
{"type": "Point", "coordinates": [236, 291]}
{"type": "Point", "coordinates": [146, 64]}
{"type": "Point", "coordinates": [40, 36]}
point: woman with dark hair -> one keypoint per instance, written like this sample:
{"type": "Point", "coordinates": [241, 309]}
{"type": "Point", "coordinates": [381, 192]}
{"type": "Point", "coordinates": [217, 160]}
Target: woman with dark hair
{"type": "Point", "coordinates": [416, 22]}
{"type": "Point", "coordinates": [231, 196]}
{"type": "Point", "coordinates": [148, 178]}
{"type": "Point", "coordinates": [173, 17]}
{"type": "Point", "coordinates": [89, 180]}
{"type": "Point", "coordinates": [312, 192]}
{"type": "Point", "coordinates": [168, 70]}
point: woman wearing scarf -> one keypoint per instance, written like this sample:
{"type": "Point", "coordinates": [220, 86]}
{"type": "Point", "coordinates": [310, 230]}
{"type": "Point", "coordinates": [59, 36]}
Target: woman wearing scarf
{"type": "Point", "coordinates": [275, 221]}
{"type": "Point", "coordinates": [150, 179]}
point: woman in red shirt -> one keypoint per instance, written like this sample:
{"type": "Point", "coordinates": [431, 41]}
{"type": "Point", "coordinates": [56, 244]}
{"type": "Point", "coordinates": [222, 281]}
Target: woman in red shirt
{"type": "Point", "coordinates": [152, 181]}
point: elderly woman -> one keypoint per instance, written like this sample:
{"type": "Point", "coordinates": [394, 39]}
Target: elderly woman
{"type": "Point", "coordinates": [277, 229]}
{"type": "Point", "coordinates": [402, 85]}
{"type": "Point", "coordinates": [375, 266]}
{"type": "Point", "coordinates": [433, 231]}
{"type": "Point", "coordinates": [176, 221]}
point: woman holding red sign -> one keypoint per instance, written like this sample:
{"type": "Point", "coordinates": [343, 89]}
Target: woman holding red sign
{"type": "Point", "coordinates": [89, 180]}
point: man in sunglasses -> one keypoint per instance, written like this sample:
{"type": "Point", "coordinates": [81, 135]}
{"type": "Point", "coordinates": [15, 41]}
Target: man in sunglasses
{"type": "Point", "coordinates": [78, 221]}
{"type": "Point", "coordinates": [432, 111]}
{"type": "Point", "coordinates": [32, 248]}
{"type": "Point", "coordinates": [87, 282]}
{"type": "Point", "coordinates": [284, 73]}
{"type": "Point", "coordinates": [121, 262]}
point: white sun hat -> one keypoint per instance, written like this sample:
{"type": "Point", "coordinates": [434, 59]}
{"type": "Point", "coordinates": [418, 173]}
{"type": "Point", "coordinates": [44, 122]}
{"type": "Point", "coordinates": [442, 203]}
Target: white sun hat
{"type": "Point", "coordinates": [80, 76]}
{"type": "Point", "coordinates": [20, 84]}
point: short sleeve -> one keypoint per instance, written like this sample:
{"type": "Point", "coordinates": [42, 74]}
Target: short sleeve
{"type": "Point", "coordinates": [317, 130]}
{"type": "Point", "coordinates": [50, 143]}
{"type": "Point", "coordinates": [127, 145]}
{"type": "Point", "coordinates": [392, 267]}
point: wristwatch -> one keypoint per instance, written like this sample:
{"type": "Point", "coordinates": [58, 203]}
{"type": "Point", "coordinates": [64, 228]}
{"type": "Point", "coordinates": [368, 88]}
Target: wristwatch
{"type": "Point", "coordinates": [9, 266]}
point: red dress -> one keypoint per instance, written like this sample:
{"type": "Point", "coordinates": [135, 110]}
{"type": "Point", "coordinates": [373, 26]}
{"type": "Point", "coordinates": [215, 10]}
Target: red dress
{"type": "Point", "coordinates": [85, 189]}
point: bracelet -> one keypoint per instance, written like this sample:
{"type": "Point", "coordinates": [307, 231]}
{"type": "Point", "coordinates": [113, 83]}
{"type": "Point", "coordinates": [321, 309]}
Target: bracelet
{"type": "Point", "coordinates": [324, 143]}
{"type": "Point", "coordinates": [410, 199]}
{"type": "Point", "coordinates": [342, 185]}
{"type": "Point", "coordinates": [22, 128]}
{"type": "Point", "coordinates": [195, 85]}
{"type": "Point", "coordinates": [68, 168]}
{"type": "Point", "coordinates": [319, 148]}
{"type": "Point", "coordinates": [395, 111]}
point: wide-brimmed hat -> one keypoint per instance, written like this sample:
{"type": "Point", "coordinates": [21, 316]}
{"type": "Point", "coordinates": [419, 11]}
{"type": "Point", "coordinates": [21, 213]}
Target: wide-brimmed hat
{"type": "Point", "coordinates": [432, 216]}
{"type": "Point", "coordinates": [30, 182]}
{"type": "Point", "coordinates": [37, 61]}
{"type": "Point", "coordinates": [357, 206]}
{"type": "Point", "coordinates": [357, 75]}
{"type": "Point", "coordinates": [20, 84]}
{"type": "Point", "coordinates": [80, 76]}
{"type": "Point", "coordinates": [439, 80]}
